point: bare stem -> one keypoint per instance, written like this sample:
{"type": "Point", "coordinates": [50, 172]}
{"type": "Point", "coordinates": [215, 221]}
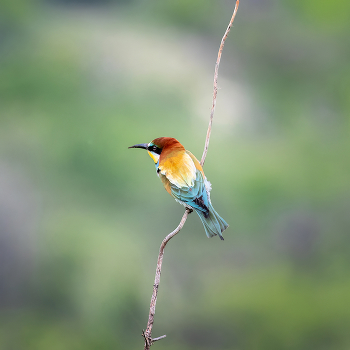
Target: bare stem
{"type": "Point", "coordinates": [147, 335]}
{"type": "Point", "coordinates": [216, 73]}
{"type": "Point", "coordinates": [152, 310]}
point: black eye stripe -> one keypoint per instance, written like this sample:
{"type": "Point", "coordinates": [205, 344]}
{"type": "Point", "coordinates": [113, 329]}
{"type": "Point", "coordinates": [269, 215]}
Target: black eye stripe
{"type": "Point", "coordinates": [154, 149]}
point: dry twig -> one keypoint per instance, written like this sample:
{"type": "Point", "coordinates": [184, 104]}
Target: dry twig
{"type": "Point", "coordinates": [147, 335]}
{"type": "Point", "coordinates": [152, 310]}
{"type": "Point", "coordinates": [215, 92]}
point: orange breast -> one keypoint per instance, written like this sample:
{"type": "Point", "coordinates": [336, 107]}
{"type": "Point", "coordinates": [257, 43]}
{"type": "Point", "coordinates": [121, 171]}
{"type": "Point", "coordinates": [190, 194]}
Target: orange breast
{"type": "Point", "coordinates": [179, 169]}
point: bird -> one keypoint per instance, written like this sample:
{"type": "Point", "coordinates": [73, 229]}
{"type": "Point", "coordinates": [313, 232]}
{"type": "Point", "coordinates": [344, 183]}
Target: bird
{"type": "Point", "coordinates": [183, 178]}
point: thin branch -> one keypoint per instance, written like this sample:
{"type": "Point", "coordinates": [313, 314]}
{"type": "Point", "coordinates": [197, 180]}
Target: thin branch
{"type": "Point", "coordinates": [216, 73]}
{"type": "Point", "coordinates": [147, 335]}
{"type": "Point", "coordinates": [159, 338]}
{"type": "Point", "coordinates": [152, 310]}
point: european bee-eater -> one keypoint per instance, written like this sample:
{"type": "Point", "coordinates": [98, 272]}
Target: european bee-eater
{"type": "Point", "coordinates": [183, 177]}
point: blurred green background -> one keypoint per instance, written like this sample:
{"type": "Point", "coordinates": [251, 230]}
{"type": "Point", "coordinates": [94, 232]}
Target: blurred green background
{"type": "Point", "coordinates": [82, 217]}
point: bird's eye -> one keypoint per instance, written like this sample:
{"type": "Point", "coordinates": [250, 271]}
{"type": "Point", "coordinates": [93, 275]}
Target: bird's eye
{"type": "Point", "coordinates": [154, 149]}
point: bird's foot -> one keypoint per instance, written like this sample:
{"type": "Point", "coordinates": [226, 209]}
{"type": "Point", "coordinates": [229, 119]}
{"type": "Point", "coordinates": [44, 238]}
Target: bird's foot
{"type": "Point", "coordinates": [189, 210]}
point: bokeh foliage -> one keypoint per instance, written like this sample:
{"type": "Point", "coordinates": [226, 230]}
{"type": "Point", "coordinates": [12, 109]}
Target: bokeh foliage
{"type": "Point", "coordinates": [82, 217]}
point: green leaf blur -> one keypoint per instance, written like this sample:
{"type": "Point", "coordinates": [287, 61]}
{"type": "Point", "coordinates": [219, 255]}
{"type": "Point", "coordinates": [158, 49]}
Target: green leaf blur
{"type": "Point", "coordinates": [82, 216]}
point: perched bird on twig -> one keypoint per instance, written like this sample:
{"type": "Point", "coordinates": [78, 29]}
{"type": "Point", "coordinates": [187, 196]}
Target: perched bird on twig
{"type": "Point", "coordinates": [183, 177]}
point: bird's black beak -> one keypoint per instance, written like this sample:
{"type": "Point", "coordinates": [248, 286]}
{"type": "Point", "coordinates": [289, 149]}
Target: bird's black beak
{"type": "Point", "coordinates": [140, 145]}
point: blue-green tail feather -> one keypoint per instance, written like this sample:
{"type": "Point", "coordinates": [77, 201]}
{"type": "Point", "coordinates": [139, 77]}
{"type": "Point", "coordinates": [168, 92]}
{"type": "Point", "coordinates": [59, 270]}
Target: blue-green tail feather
{"type": "Point", "coordinates": [213, 223]}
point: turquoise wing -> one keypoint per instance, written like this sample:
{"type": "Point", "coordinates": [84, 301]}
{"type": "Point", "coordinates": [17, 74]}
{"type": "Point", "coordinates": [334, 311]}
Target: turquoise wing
{"type": "Point", "coordinates": [195, 196]}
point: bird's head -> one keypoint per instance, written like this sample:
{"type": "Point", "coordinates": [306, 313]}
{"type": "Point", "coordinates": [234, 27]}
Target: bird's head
{"type": "Point", "coordinates": [157, 146]}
